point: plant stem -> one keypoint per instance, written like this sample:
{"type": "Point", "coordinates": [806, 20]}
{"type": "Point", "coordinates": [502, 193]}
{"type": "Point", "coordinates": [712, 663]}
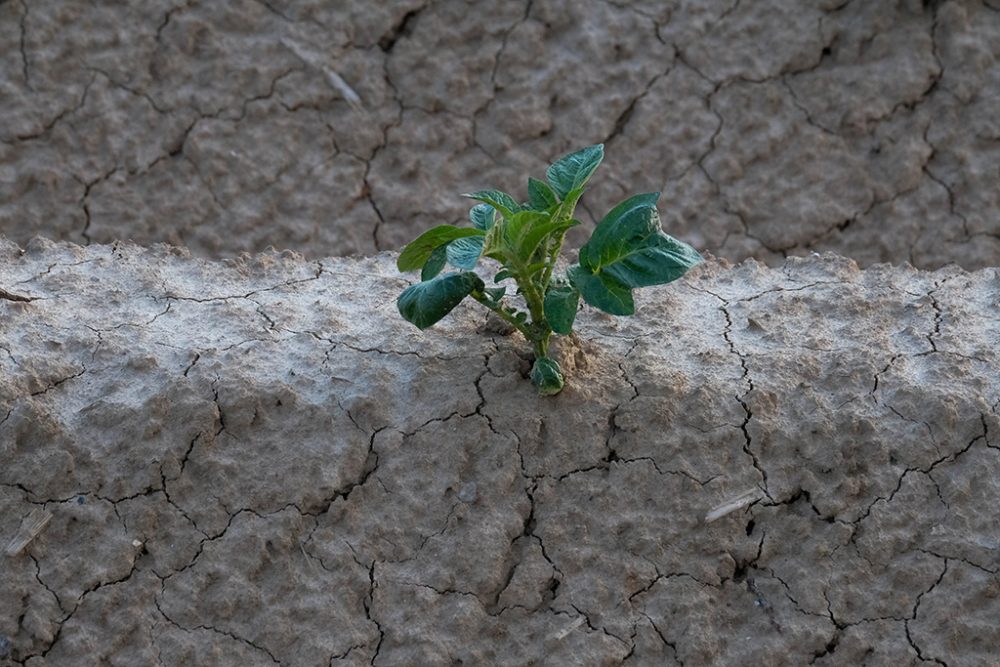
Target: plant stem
{"type": "Point", "coordinates": [553, 254]}
{"type": "Point", "coordinates": [504, 315]}
{"type": "Point", "coordinates": [541, 345]}
{"type": "Point", "coordinates": [538, 334]}
{"type": "Point", "coordinates": [537, 308]}
{"type": "Point", "coordinates": [534, 300]}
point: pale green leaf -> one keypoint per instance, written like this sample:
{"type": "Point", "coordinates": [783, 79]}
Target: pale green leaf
{"type": "Point", "coordinates": [501, 201]}
{"type": "Point", "coordinates": [418, 251]}
{"type": "Point", "coordinates": [482, 216]}
{"type": "Point", "coordinates": [464, 253]}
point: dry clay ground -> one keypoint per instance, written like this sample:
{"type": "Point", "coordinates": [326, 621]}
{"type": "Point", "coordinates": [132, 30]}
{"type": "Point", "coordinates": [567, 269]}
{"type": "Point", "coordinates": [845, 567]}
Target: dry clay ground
{"type": "Point", "coordinates": [258, 462]}
{"type": "Point", "coordinates": [868, 127]}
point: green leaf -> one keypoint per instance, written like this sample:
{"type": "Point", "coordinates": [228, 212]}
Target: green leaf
{"type": "Point", "coordinates": [602, 292]}
{"type": "Point", "coordinates": [533, 237]}
{"type": "Point", "coordinates": [540, 195]}
{"type": "Point", "coordinates": [519, 225]}
{"type": "Point", "coordinates": [495, 293]}
{"type": "Point", "coordinates": [568, 205]}
{"type": "Point", "coordinates": [561, 303]}
{"type": "Point", "coordinates": [501, 275]}
{"type": "Point", "coordinates": [494, 244]}
{"type": "Point", "coordinates": [501, 201]}
{"type": "Point", "coordinates": [545, 375]}
{"type": "Point", "coordinates": [427, 302]}
{"type": "Point", "coordinates": [537, 266]}
{"type": "Point", "coordinates": [506, 240]}
{"type": "Point", "coordinates": [436, 261]}
{"type": "Point", "coordinates": [623, 230]}
{"type": "Point", "coordinates": [664, 259]}
{"type": "Point", "coordinates": [418, 251]}
{"type": "Point", "coordinates": [572, 171]}
{"type": "Point", "coordinates": [629, 248]}
{"type": "Point", "coordinates": [464, 253]}
{"type": "Point", "coordinates": [482, 216]}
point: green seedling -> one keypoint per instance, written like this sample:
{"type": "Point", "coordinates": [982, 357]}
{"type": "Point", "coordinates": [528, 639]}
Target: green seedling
{"type": "Point", "coordinates": [627, 249]}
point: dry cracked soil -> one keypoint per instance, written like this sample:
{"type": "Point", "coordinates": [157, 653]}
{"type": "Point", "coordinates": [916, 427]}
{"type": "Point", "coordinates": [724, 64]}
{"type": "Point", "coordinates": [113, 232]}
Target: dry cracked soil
{"type": "Point", "coordinates": [259, 462]}
{"type": "Point", "coordinates": [773, 127]}
{"type": "Point", "coordinates": [216, 453]}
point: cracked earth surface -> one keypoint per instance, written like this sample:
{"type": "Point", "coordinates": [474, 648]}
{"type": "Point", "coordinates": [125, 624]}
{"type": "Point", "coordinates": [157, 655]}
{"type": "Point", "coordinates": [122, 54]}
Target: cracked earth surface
{"type": "Point", "coordinates": [257, 462]}
{"type": "Point", "coordinates": [774, 127]}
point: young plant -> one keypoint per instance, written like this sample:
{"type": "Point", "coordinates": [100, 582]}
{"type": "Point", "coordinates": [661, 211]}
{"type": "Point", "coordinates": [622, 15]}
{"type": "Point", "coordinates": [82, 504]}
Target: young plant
{"type": "Point", "coordinates": [626, 250]}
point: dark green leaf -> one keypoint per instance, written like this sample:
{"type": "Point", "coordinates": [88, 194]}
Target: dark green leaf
{"type": "Point", "coordinates": [662, 260]}
{"type": "Point", "coordinates": [628, 247]}
{"type": "Point", "coordinates": [501, 275]}
{"type": "Point", "coordinates": [425, 303]}
{"type": "Point", "coordinates": [464, 253]}
{"type": "Point", "coordinates": [603, 292]}
{"type": "Point", "coordinates": [561, 303]}
{"type": "Point", "coordinates": [572, 171]}
{"type": "Point", "coordinates": [501, 201]}
{"type": "Point", "coordinates": [495, 293]}
{"type": "Point", "coordinates": [418, 251]}
{"type": "Point", "coordinates": [540, 195]}
{"type": "Point", "coordinates": [546, 376]}
{"type": "Point", "coordinates": [623, 230]}
{"type": "Point", "coordinates": [482, 216]}
{"type": "Point", "coordinates": [436, 261]}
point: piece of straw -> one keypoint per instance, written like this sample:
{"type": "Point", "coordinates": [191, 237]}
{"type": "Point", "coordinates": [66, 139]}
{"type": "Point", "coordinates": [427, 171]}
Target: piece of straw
{"type": "Point", "coordinates": [730, 506]}
{"type": "Point", "coordinates": [314, 59]}
{"type": "Point", "coordinates": [31, 525]}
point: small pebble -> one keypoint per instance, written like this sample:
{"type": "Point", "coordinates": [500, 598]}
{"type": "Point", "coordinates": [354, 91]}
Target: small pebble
{"type": "Point", "coordinates": [467, 494]}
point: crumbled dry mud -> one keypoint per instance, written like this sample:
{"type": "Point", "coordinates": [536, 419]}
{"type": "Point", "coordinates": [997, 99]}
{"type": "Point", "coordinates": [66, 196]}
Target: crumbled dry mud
{"type": "Point", "coordinates": [258, 462]}
{"type": "Point", "coordinates": [773, 127]}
